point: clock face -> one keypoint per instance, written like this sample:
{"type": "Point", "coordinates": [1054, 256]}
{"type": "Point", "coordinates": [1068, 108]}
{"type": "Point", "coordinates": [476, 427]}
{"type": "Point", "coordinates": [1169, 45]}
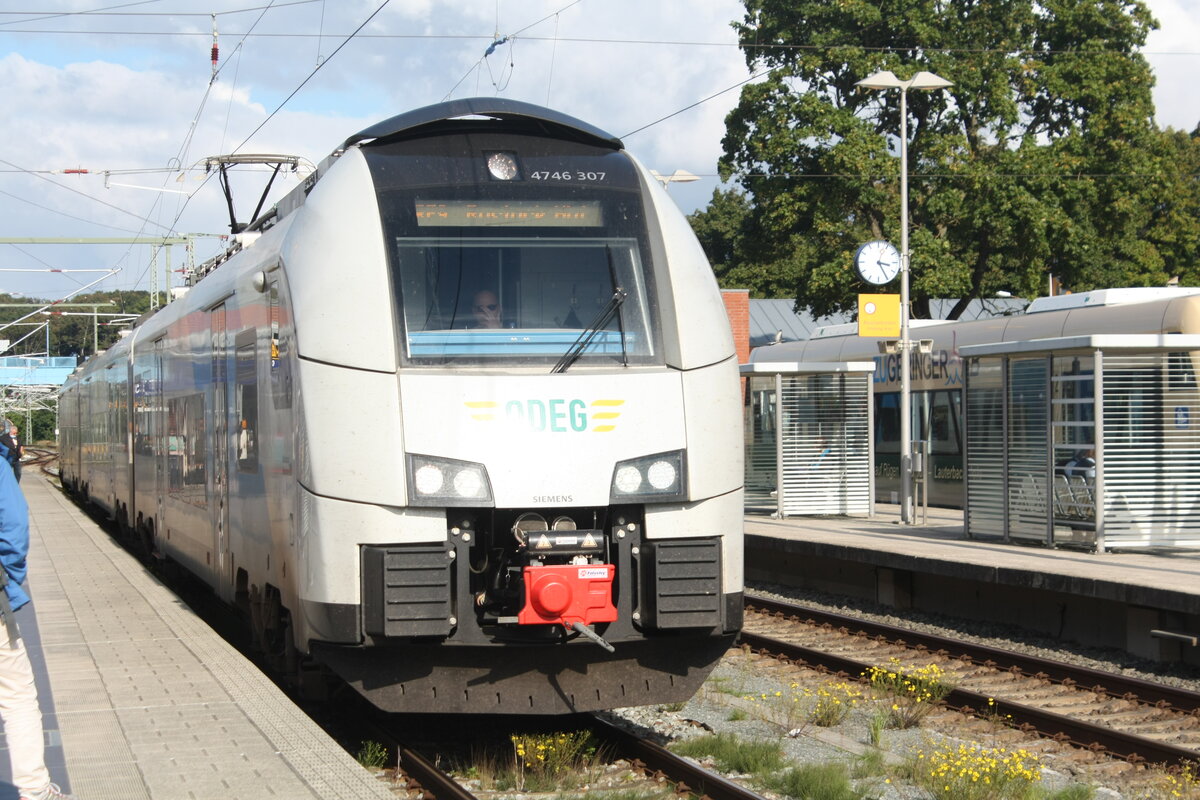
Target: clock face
{"type": "Point", "coordinates": [877, 262]}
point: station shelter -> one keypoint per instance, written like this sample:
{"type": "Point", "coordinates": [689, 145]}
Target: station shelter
{"type": "Point", "coordinates": [809, 449]}
{"type": "Point", "coordinates": [1091, 441]}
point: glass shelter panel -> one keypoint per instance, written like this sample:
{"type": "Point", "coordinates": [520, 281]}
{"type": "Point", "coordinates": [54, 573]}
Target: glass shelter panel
{"type": "Point", "coordinates": [1028, 425]}
{"type": "Point", "coordinates": [761, 475]}
{"type": "Point", "coordinates": [825, 443]}
{"type": "Point", "coordinates": [986, 497]}
{"type": "Point", "coordinates": [808, 443]}
{"type": "Point", "coordinates": [1073, 421]}
{"type": "Point", "coordinates": [1150, 456]}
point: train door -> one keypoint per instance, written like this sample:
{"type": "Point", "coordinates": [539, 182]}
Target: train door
{"type": "Point", "coordinates": [220, 446]}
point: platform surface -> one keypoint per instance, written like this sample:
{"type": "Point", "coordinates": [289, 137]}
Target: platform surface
{"type": "Point", "coordinates": [1160, 577]}
{"type": "Point", "coordinates": [141, 699]}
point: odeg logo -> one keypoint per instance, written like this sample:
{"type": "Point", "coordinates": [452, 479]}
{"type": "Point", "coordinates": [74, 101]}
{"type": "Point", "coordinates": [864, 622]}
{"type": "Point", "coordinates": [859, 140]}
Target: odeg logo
{"type": "Point", "coordinates": [550, 415]}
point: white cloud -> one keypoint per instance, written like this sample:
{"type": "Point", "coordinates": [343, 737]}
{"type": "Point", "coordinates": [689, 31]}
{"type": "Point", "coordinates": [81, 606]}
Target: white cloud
{"type": "Point", "coordinates": [117, 100]}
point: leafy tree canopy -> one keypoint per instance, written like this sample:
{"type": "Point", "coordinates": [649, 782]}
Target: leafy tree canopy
{"type": "Point", "coordinates": [1043, 158]}
{"type": "Point", "coordinates": [72, 329]}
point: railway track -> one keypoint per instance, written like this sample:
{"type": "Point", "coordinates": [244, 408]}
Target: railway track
{"type": "Point", "coordinates": [1134, 719]}
{"type": "Point", "coordinates": [688, 778]}
{"type": "Point", "coordinates": [652, 760]}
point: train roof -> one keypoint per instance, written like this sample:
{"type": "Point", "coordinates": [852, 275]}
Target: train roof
{"type": "Point", "coordinates": [1108, 297]}
{"type": "Point", "coordinates": [470, 113]}
{"type": "Point", "coordinates": [432, 119]}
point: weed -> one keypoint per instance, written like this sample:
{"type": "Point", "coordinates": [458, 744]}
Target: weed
{"type": "Point", "coordinates": [736, 715]}
{"type": "Point", "coordinates": [372, 755]}
{"type": "Point", "coordinates": [723, 685]}
{"type": "Point", "coordinates": [912, 692]}
{"type": "Point", "coordinates": [876, 724]}
{"type": "Point", "coordinates": [992, 715]}
{"type": "Point", "coordinates": [974, 772]}
{"type": "Point", "coordinates": [627, 794]}
{"type": "Point", "coordinates": [816, 782]}
{"type": "Point", "coordinates": [832, 703]}
{"type": "Point", "coordinates": [825, 706]}
{"type": "Point", "coordinates": [1184, 784]}
{"type": "Point", "coordinates": [541, 762]}
{"type": "Point", "coordinates": [870, 764]}
{"type": "Point", "coordinates": [734, 755]}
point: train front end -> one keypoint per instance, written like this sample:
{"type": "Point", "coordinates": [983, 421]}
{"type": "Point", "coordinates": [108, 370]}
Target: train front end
{"type": "Point", "coordinates": [570, 449]}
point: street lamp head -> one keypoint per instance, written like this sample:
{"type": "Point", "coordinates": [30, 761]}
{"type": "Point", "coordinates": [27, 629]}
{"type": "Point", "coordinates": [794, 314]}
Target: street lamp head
{"type": "Point", "coordinates": [887, 80]}
{"type": "Point", "coordinates": [678, 176]}
{"type": "Point", "coordinates": [927, 80]}
{"type": "Point", "coordinates": [881, 80]}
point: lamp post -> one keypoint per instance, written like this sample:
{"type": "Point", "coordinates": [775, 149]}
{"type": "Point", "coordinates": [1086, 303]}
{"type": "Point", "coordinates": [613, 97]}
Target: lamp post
{"type": "Point", "coordinates": [927, 81]}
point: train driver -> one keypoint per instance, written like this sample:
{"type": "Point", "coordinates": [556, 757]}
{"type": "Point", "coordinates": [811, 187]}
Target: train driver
{"type": "Point", "coordinates": [486, 308]}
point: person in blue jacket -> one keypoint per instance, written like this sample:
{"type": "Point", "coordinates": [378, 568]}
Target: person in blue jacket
{"type": "Point", "coordinates": [18, 693]}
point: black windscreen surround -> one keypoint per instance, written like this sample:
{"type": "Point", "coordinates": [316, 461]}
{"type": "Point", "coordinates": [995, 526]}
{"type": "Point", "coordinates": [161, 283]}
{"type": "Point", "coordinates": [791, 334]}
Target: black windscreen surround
{"type": "Point", "coordinates": [506, 248]}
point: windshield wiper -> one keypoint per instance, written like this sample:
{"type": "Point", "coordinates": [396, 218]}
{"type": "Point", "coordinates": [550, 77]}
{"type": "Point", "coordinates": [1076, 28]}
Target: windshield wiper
{"type": "Point", "coordinates": [589, 333]}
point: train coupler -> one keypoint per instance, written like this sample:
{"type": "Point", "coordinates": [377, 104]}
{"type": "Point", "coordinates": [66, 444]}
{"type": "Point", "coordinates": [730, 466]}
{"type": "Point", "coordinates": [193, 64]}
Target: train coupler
{"type": "Point", "coordinates": [575, 596]}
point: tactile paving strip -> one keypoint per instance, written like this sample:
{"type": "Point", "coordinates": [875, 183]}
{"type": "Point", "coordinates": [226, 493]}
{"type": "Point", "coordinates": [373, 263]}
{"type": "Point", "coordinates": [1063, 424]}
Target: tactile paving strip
{"type": "Point", "coordinates": [151, 702]}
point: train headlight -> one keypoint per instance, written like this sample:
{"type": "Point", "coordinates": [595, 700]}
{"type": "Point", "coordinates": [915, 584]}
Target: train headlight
{"type": "Point", "coordinates": [428, 479]}
{"type": "Point", "coordinates": [627, 480]}
{"type": "Point", "coordinates": [447, 482]}
{"type": "Point", "coordinates": [503, 166]}
{"type": "Point", "coordinates": [658, 478]}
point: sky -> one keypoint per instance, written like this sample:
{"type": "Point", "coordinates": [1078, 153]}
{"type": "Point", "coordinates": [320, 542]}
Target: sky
{"type": "Point", "coordinates": [125, 90]}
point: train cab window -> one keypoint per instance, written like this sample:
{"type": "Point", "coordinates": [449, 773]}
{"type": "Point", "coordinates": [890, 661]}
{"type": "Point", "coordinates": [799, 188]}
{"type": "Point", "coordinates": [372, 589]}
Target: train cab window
{"type": "Point", "coordinates": [519, 271]}
{"type": "Point", "coordinates": [527, 298]}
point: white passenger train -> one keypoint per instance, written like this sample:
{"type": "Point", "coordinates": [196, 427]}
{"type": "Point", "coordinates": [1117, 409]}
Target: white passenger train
{"type": "Point", "coordinates": [458, 418]}
{"type": "Point", "coordinates": [937, 375]}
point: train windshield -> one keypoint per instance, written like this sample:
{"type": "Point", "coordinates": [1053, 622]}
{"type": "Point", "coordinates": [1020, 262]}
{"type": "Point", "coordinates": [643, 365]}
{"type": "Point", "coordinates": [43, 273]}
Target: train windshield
{"type": "Point", "coordinates": [491, 298]}
{"type": "Point", "coordinates": [519, 271]}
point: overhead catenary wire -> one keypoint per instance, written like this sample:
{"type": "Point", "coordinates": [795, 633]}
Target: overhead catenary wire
{"type": "Point", "coordinates": [310, 75]}
{"type": "Point", "coordinates": [497, 40]}
{"type": "Point", "coordinates": [891, 48]}
{"type": "Point", "coordinates": [108, 12]}
{"type": "Point", "coordinates": [277, 108]}
{"type": "Point", "coordinates": [181, 157]}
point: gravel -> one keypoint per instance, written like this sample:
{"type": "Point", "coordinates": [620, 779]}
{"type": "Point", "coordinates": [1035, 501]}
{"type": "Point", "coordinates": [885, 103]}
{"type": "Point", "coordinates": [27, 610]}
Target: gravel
{"type": "Point", "coordinates": [745, 693]}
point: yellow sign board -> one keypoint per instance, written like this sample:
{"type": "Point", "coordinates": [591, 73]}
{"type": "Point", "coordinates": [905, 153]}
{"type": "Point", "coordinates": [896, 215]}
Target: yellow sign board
{"type": "Point", "coordinates": [879, 315]}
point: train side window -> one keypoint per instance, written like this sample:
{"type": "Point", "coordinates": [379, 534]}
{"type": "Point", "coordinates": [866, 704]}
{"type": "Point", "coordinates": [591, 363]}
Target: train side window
{"type": "Point", "coordinates": [887, 422]}
{"type": "Point", "coordinates": [246, 436]}
{"type": "Point", "coordinates": [943, 430]}
{"type": "Point", "coordinates": [187, 472]}
{"type": "Point", "coordinates": [1180, 372]}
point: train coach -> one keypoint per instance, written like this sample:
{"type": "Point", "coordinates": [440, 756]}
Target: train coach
{"type": "Point", "coordinates": [937, 376]}
{"type": "Point", "coordinates": [458, 419]}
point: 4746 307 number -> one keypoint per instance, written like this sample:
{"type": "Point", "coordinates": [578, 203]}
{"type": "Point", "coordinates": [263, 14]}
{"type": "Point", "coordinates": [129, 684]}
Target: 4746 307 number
{"type": "Point", "coordinates": [567, 175]}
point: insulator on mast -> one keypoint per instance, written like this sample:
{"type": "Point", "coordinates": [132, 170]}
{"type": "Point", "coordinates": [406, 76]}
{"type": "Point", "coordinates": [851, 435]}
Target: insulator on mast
{"type": "Point", "coordinates": [215, 49]}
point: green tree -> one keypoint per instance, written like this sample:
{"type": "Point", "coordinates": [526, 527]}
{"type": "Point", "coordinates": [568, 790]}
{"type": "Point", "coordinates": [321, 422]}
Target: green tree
{"type": "Point", "coordinates": [1043, 158]}
{"type": "Point", "coordinates": [71, 333]}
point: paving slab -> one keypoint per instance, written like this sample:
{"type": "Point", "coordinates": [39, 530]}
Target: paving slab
{"type": "Point", "coordinates": [141, 699]}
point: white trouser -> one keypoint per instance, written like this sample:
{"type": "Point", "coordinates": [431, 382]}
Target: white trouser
{"type": "Point", "coordinates": [22, 717]}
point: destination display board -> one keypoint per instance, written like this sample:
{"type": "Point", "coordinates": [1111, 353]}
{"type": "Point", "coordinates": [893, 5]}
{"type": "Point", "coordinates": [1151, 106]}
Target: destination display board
{"type": "Point", "coordinates": [507, 213]}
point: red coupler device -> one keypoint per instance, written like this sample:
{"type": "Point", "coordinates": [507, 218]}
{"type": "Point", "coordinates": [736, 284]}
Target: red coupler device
{"type": "Point", "coordinates": [568, 594]}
